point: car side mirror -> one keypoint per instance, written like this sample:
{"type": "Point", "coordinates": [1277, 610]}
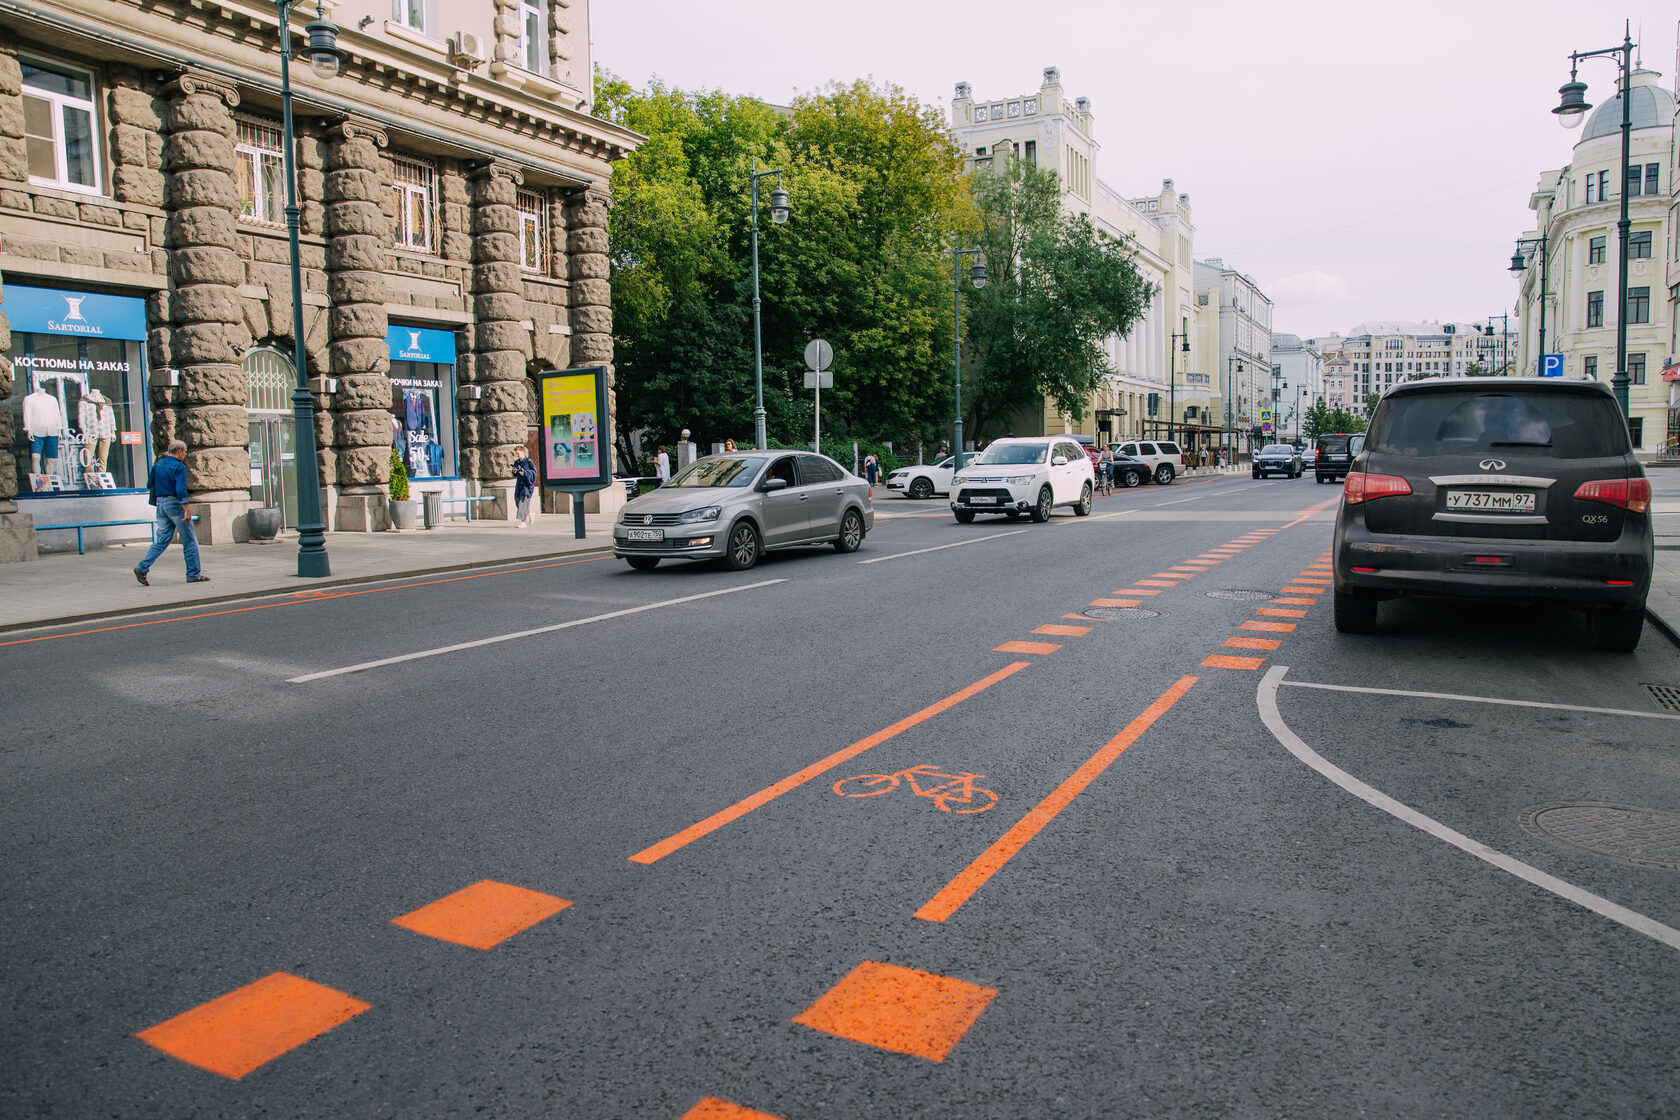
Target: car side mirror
{"type": "Point", "coordinates": [774, 484]}
{"type": "Point", "coordinates": [1059, 461]}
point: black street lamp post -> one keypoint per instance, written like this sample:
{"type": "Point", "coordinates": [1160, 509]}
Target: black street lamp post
{"type": "Point", "coordinates": [977, 277]}
{"type": "Point", "coordinates": [325, 58]}
{"type": "Point", "coordinates": [778, 214]}
{"type": "Point", "coordinates": [1178, 339]}
{"type": "Point", "coordinates": [1571, 111]}
{"type": "Point", "coordinates": [1231, 414]}
{"type": "Point", "coordinates": [1519, 264]}
{"type": "Point", "coordinates": [1504, 318]}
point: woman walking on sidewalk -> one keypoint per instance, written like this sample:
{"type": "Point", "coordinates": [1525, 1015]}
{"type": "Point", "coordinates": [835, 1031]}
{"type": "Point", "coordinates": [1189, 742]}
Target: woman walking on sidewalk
{"type": "Point", "coordinates": [524, 485]}
{"type": "Point", "coordinates": [166, 487]}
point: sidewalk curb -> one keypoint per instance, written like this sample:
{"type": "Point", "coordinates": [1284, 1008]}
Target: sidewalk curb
{"type": "Point", "coordinates": [1662, 624]}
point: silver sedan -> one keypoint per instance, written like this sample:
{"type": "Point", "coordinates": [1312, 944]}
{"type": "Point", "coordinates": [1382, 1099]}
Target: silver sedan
{"type": "Point", "coordinates": [738, 506]}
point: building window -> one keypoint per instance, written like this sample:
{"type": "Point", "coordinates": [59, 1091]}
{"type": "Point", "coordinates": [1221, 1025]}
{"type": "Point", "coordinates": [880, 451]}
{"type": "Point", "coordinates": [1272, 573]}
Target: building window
{"type": "Point", "coordinates": [978, 152]}
{"type": "Point", "coordinates": [1636, 369]}
{"type": "Point", "coordinates": [412, 188]}
{"type": "Point", "coordinates": [1639, 305]}
{"type": "Point", "coordinates": [1595, 250]}
{"type": "Point", "coordinates": [1014, 108]}
{"type": "Point", "coordinates": [58, 131]}
{"type": "Point", "coordinates": [1592, 188]}
{"type": "Point", "coordinates": [260, 171]}
{"type": "Point", "coordinates": [1604, 186]}
{"type": "Point", "coordinates": [533, 36]}
{"type": "Point", "coordinates": [1639, 244]}
{"type": "Point", "coordinates": [1652, 175]}
{"type": "Point", "coordinates": [1032, 152]}
{"type": "Point", "coordinates": [533, 230]}
{"type": "Point", "coordinates": [1633, 180]}
{"type": "Point", "coordinates": [1595, 308]}
{"type": "Point", "coordinates": [421, 15]}
{"type": "Point", "coordinates": [1636, 431]}
{"type": "Point", "coordinates": [1589, 368]}
{"type": "Point", "coordinates": [1031, 105]}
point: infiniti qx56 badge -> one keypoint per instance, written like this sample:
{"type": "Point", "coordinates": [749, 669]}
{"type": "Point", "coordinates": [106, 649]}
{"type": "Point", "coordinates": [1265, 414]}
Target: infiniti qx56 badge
{"type": "Point", "coordinates": [1493, 464]}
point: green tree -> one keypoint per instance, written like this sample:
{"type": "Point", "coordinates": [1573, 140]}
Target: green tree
{"type": "Point", "coordinates": [1057, 287]}
{"type": "Point", "coordinates": [1316, 421]}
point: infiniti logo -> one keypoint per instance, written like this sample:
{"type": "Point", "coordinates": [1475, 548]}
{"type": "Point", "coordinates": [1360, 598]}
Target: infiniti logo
{"type": "Point", "coordinates": [1493, 464]}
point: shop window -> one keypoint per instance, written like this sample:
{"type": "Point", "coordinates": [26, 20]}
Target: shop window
{"type": "Point", "coordinates": [533, 230]}
{"type": "Point", "coordinates": [1595, 250]}
{"type": "Point", "coordinates": [423, 400]}
{"type": "Point", "coordinates": [58, 126]}
{"type": "Point", "coordinates": [413, 189]}
{"type": "Point", "coordinates": [533, 36]}
{"type": "Point", "coordinates": [260, 169]}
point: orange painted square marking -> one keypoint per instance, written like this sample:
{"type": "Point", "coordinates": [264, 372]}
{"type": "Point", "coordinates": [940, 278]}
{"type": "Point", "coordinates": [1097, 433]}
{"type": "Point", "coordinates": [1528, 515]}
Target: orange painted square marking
{"type": "Point", "coordinates": [715, 1108]}
{"type": "Point", "coordinates": [1313, 577]}
{"type": "Point", "coordinates": [1280, 612]}
{"type": "Point", "coordinates": [483, 915]}
{"type": "Point", "coordinates": [1144, 591]}
{"type": "Point", "coordinates": [1026, 647]}
{"type": "Point", "coordinates": [1063, 631]}
{"type": "Point", "coordinates": [1223, 661]}
{"type": "Point", "coordinates": [1184, 572]}
{"type": "Point", "coordinates": [1083, 616]}
{"type": "Point", "coordinates": [1200, 565]}
{"type": "Point", "coordinates": [1296, 600]}
{"type": "Point", "coordinates": [903, 1010]}
{"type": "Point", "coordinates": [1303, 590]}
{"type": "Point", "coordinates": [1116, 602]}
{"type": "Point", "coordinates": [1156, 582]}
{"type": "Point", "coordinates": [251, 1026]}
{"type": "Point", "coordinates": [1270, 627]}
{"type": "Point", "coordinates": [1251, 643]}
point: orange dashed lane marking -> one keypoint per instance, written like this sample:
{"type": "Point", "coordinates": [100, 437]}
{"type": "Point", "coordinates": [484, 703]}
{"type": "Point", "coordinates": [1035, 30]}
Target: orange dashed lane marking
{"type": "Point", "coordinates": [1055, 629]}
{"type": "Point", "coordinates": [1310, 510]}
{"type": "Point", "coordinates": [1280, 612]}
{"type": "Point", "coordinates": [715, 1108]}
{"type": "Point", "coordinates": [483, 915]}
{"type": "Point", "coordinates": [1296, 601]}
{"type": "Point", "coordinates": [1251, 643]}
{"type": "Point", "coordinates": [1303, 591]}
{"type": "Point", "coordinates": [1270, 627]}
{"type": "Point", "coordinates": [251, 1026]}
{"type": "Point", "coordinates": [958, 891]}
{"type": "Point", "coordinates": [1145, 591]}
{"type": "Point", "coordinates": [1156, 582]}
{"type": "Point", "coordinates": [1222, 661]}
{"type": "Point", "coordinates": [1027, 647]}
{"type": "Point", "coordinates": [900, 1009]}
{"type": "Point", "coordinates": [822, 766]}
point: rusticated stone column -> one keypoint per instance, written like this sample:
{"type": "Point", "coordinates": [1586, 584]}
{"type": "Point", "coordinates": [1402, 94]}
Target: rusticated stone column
{"type": "Point", "coordinates": [17, 533]}
{"type": "Point", "coordinates": [136, 140]}
{"type": "Point", "coordinates": [493, 427]}
{"type": "Point", "coordinates": [591, 313]}
{"type": "Point", "coordinates": [358, 235]}
{"type": "Point", "coordinates": [208, 335]}
{"type": "Point", "coordinates": [14, 159]}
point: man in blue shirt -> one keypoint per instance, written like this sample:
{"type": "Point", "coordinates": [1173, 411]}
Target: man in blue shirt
{"type": "Point", "coordinates": [167, 490]}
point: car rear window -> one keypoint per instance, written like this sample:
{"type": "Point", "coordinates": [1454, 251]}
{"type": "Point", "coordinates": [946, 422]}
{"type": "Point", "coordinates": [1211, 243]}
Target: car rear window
{"type": "Point", "coordinates": [1332, 445]}
{"type": "Point", "coordinates": [1554, 425]}
{"type": "Point", "coordinates": [1168, 448]}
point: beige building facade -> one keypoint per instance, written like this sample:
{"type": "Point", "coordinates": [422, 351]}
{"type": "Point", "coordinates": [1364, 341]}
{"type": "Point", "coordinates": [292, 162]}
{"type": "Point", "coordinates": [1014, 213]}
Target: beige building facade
{"type": "Point", "coordinates": [453, 194]}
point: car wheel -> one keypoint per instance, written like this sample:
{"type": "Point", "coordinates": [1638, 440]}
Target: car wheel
{"type": "Point", "coordinates": [851, 532]}
{"type": "Point", "coordinates": [1355, 612]}
{"type": "Point", "coordinates": [1618, 631]}
{"type": "Point", "coordinates": [1041, 511]}
{"type": "Point", "coordinates": [1131, 479]}
{"type": "Point", "coordinates": [643, 563]}
{"type": "Point", "coordinates": [1164, 474]}
{"type": "Point", "coordinates": [1254, 474]}
{"type": "Point", "coordinates": [743, 547]}
{"type": "Point", "coordinates": [1318, 478]}
{"type": "Point", "coordinates": [922, 489]}
{"type": "Point", "coordinates": [1083, 508]}
{"type": "Point", "coordinates": [964, 516]}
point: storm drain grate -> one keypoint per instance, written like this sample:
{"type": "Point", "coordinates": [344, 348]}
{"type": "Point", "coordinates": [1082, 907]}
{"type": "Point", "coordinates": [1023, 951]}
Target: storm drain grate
{"type": "Point", "coordinates": [1120, 612]}
{"type": "Point", "coordinates": [1666, 696]}
{"type": "Point", "coordinates": [1643, 837]}
{"type": "Point", "coordinates": [1239, 594]}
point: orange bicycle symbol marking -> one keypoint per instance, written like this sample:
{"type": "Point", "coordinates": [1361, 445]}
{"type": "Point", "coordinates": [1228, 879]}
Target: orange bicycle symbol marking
{"type": "Point", "coordinates": [953, 793]}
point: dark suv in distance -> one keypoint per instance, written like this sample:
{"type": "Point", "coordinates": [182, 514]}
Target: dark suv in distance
{"type": "Point", "coordinates": [1497, 487]}
{"type": "Point", "coordinates": [1331, 465]}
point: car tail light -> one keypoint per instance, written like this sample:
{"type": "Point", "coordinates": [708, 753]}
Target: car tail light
{"type": "Point", "coordinates": [1362, 487]}
{"type": "Point", "coordinates": [1631, 494]}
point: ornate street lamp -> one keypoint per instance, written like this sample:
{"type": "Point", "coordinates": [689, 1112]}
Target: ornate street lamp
{"type": "Point", "coordinates": [977, 277]}
{"type": "Point", "coordinates": [1520, 264]}
{"type": "Point", "coordinates": [325, 59]}
{"type": "Point", "coordinates": [779, 211]}
{"type": "Point", "coordinates": [1571, 111]}
{"type": "Point", "coordinates": [1231, 415]}
{"type": "Point", "coordinates": [1172, 364]}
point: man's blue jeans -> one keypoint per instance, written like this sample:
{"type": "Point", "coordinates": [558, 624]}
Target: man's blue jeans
{"type": "Point", "coordinates": [171, 519]}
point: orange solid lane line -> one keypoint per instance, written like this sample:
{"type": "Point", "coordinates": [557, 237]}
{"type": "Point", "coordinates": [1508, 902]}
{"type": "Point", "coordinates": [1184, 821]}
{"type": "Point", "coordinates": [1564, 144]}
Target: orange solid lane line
{"type": "Point", "coordinates": [1269, 627]}
{"type": "Point", "coordinates": [793, 781]}
{"type": "Point", "coordinates": [1055, 629]}
{"type": "Point", "coordinates": [251, 1026]}
{"type": "Point", "coordinates": [958, 891]}
{"type": "Point", "coordinates": [1223, 661]}
{"type": "Point", "coordinates": [296, 601]}
{"type": "Point", "coordinates": [1027, 647]}
{"type": "Point", "coordinates": [1280, 612]}
{"type": "Point", "coordinates": [1251, 643]}
{"type": "Point", "coordinates": [716, 1108]}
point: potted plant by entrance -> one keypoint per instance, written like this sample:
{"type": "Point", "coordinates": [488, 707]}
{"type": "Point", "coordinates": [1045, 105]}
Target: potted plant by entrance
{"type": "Point", "coordinates": [404, 513]}
{"type": "Point", "coordinates": [263, 523]}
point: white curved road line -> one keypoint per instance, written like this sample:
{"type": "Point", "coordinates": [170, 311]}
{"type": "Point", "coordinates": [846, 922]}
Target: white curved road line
{"type": "Point", "coordinates": [1482, 700]}
{"type": "Point", "coordinates": [1266, 699]}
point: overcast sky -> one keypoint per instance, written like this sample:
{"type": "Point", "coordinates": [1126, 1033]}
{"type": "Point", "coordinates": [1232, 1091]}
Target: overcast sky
{"type": "Point", "coordinates": [1358, 166]}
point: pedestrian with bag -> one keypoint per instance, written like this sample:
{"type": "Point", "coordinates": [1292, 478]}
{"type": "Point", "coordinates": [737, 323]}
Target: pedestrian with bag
{"type": "Point", "coordinates": [524, 485]}
{"type": "Point", "coordinates": [166, 488]}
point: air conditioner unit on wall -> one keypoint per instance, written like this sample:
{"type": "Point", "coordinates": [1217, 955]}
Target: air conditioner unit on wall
{"type": "Point", "coordinates": [466, 49]}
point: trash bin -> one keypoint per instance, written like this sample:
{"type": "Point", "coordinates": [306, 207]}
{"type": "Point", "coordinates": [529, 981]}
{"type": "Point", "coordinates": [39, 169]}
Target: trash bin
{"type": "Point", "coordinates": [433, 500]}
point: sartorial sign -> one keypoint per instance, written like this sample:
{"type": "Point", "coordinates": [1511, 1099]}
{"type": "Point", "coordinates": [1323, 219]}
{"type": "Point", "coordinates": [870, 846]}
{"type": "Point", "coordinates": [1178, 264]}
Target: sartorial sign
{"type": "Point", "coordinates": [52, 311]}
{"type": "Point", "coordinates": [420, 344]}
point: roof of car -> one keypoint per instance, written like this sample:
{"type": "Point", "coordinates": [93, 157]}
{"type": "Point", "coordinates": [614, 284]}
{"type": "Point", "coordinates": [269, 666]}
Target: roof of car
{"type": "Point", "coordinates": [1544, 384]}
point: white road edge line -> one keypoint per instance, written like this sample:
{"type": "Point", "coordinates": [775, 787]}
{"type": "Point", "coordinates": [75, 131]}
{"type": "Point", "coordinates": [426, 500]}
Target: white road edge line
{"type": "Point", "coordinates": [1266, 700]}
{"type": "Point", "coordinates": [1055, 521]}
{"type": "Point", "coordinates": [941, 547]}
{"type": "Point", "coordinates": [1482, 700]}
{"type": "Point", "coordinates": [306, 678]}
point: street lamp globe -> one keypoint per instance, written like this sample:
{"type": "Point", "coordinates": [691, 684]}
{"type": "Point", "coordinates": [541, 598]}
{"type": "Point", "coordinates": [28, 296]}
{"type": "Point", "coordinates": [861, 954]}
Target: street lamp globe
{"type": "Point", "coordinates": [322, 50]}
{"type": "Point", "coordinates": [1518, 264]}
{"type": "Point", "coordinates": [1572, 110]}
{"type": "Point", "coordinates": [779, 208]}
{"type": "Point", "coordinates": [977, 274]}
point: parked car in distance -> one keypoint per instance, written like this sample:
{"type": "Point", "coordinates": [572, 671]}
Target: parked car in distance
{"type": "Point", "coordinates": [1026, 476]}
{"type": "Point", "coordinates": [1309, 455]}
{"type": "Point", "coordinates": [1331, 457]}
{"type": "Point", "coordinates": [1501, 488]}
{"type": "Point", "coordinates": [736, 507]}
{"type": "Point", "coordinates": [1130, 472]}
{"type": "Point", "coordinates": [1277, 458]}
{"type": "Point", "coordinates": [1164, 456]}
{"type": "Point", "coordinates": [923, 480]}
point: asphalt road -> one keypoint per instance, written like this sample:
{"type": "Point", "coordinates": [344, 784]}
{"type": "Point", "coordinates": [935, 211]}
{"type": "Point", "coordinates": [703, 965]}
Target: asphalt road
{"type": "Point", "coordinates": [1191, 882]}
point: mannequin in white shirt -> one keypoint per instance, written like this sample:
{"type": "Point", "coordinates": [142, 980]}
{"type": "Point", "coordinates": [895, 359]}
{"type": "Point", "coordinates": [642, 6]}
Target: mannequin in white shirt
{"type": "Point", "coordinates": [98, 422]}
{"type": "Point", "coordinates": [43, 423]}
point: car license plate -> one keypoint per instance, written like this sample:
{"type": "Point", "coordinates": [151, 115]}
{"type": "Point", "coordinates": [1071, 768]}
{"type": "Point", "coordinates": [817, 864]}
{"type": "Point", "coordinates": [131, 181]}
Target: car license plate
{"type": "Point", "coordinates": [1496, 501]}
{"type": "Point", "coordinates": [982, 500]}
{"type": "Point", "coordinates": [645, 534]}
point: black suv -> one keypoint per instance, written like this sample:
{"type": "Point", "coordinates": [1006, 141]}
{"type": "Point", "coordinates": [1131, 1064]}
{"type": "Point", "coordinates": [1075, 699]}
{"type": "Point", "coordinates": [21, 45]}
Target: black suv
{"type": "Point", "coordinates": [1497, 487]}
{"type": "Point", "coordinates": [1333, 457]}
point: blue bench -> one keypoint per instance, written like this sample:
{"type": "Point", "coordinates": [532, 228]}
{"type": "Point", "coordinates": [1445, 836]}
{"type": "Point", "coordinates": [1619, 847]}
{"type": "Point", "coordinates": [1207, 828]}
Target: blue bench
{"type": "Point", "coordinates": [81, 544]}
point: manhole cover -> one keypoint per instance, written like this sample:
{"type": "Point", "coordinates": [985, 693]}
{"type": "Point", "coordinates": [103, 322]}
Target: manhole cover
{"type": "Point", "coordinates": [1245, 596]}
{"type": "Point", "coordinates": [1643, 837]}
{"type": "Point", "coordinates": [1666, 696]}
{"type": "Point", "coordinates": [1120, 612]}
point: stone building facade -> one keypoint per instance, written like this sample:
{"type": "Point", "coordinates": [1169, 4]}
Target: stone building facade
{"type": "Point", "coordinates": [453, 193]}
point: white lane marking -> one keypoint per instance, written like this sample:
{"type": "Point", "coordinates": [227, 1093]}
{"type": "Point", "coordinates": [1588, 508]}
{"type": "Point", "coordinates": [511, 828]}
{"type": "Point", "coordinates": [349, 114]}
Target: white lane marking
{"type": "Point", "coordinates": [1180, 501]}
{"type": "Point", "coordinates": [1483, 700]}
{"type": "Point", "coordinates": [1090, 518]}
{"type": "Point", "coordinates": [940, 547]}
{"type": "Point", "coordinates": [1266, 699]}
{"type": "Point", "coordinates": [456, 648]}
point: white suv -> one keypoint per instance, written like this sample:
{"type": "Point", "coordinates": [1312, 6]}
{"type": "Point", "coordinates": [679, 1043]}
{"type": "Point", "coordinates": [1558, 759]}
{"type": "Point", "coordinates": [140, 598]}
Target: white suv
{"type": "Point", "coordinates": [1024, 476]}
{"type": "Point", "coordinates": [1162, 455]}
